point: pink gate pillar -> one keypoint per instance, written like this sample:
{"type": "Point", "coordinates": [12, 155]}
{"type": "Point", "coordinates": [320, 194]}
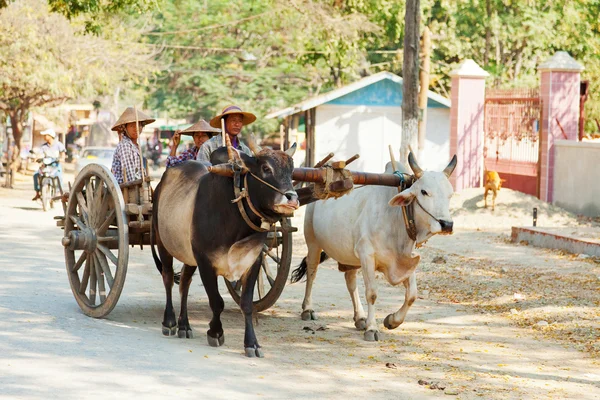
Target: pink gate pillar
{"type": "Point", "coordinates": [559, 90]}
{"type": "Point", "coordinates": [466, 124]}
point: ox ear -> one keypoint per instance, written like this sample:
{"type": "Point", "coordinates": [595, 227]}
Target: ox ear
{"type": "Point", "coordinates": [291, 151]}
{"type": "Point", "coordinates": [403, 198]}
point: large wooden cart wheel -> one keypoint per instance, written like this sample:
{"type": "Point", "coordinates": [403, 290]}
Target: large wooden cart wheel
{"type": "Point", "coordinates": [96, 240]}
{"type": "Point", "coordinates": [274, 270]}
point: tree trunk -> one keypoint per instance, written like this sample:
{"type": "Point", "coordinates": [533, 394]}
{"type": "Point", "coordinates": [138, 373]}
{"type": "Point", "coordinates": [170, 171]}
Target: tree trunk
{"type": "Point", "coordinates": [424, 88]}
{"type": "Point", "coordinates": [488, 32]}
{"type": "Point", "coordinates": [12, 163]}
{"type": "Point", "coordinates": [410, 75]}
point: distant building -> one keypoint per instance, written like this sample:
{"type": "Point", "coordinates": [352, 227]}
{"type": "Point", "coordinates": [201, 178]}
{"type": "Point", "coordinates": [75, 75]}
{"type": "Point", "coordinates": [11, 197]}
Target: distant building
{"type": "Point", "coordinates": [364, 117]}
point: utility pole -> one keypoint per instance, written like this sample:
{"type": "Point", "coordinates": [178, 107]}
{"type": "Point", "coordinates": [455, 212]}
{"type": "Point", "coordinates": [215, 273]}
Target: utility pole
{"type": "Point", "coordinates": [410, 76]}
{"type": "Point", "coordinates": [424, 78]}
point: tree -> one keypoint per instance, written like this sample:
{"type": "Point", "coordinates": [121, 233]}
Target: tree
{"type": "Point", "coordinates": [95, 12]}
{"type": "Point", "coordinates": [410, 75]}
{"type": "Point", "coordinates": [46, 60]}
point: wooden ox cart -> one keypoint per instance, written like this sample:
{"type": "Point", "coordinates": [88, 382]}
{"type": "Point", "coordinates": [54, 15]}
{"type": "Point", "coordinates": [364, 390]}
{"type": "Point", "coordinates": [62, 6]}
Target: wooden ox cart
{"type": "Point", "coordinates": [102, 219]}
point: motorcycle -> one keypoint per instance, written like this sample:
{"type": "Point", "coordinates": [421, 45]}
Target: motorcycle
{"type": "Point", "coordinates": [49, 181]}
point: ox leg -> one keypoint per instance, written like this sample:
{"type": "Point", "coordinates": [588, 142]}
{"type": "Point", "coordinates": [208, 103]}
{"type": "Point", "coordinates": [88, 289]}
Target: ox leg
{"type": "Point", "coordinates": [367, 262]}
{"type": "Point", "coordinates": [360, 320]}
{"type": "Point", "coordinates": [169, 324]}
{"type": "Point", "coordinates": [394, 320]}
{"type": "Point", "coordinates": [185, 330]}
{"type": "Point", "coordinates": [312, 263]}
{"type": "Point", "coordinates": [215, 334]}
{"type": "Point", "coordinates": [251, 346]}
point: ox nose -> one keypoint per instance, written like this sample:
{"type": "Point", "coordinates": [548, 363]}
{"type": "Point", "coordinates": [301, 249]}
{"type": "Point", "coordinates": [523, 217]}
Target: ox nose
{"type": "Point", "coordinates": [446, 226]}
{"type": "Point", "coordinates": [292, 198]}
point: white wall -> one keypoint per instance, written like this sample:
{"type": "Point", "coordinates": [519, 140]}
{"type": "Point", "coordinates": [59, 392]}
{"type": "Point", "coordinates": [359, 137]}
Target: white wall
{"type": "Point", "coordinates": [347, 130]}
{"type": "Point", "coordinates": [577, 177]}
{"type": "Point", "coordinates": [437, 140]}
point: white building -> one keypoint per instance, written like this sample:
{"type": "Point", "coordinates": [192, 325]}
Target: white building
{"type": "Point", "coordinates": [364, 117]}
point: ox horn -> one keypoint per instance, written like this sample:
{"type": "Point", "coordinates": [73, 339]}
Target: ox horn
{"type": "Point", "coordinates": [253, 145]}
{"type": "Point", "coordinates": [450, 168]}
{"type": "Point", "coordinates": [414, 166]}
{"type": "Point", "coordinates": [291, 151]}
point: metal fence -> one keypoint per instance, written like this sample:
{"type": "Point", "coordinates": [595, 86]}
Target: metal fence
{"type": "Point", "coordinates": [512, 125]}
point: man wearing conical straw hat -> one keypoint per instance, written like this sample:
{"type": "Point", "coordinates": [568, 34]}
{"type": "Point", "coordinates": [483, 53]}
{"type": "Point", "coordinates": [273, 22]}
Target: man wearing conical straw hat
{"type": "Point", "coordinates": [201, 131]}
{"type": "Point", "coordinates": [126, 166]}
{"type": "Point", "coordinates": [234, 119]}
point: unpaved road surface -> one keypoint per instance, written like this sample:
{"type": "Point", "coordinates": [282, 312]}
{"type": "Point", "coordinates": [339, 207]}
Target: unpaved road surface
{"type": "Point", "coordinates": [49, 349]}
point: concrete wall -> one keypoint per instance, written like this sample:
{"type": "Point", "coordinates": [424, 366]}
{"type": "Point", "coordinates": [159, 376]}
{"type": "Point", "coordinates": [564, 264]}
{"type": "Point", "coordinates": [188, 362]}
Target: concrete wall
{"type": "Point", "coordinates": [576, 180]}
{"type": "Point", "coordinates": [366, 130]}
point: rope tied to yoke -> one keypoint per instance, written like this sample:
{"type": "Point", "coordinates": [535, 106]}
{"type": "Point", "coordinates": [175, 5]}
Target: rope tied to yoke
{"type": "Point", "coordinates": [322, 190]}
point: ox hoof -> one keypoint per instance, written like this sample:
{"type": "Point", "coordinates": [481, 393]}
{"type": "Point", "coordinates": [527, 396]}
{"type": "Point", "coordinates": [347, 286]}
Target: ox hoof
{"type": "Point", "coordinates": [361, 324]}
{"type": "Point", "coordinates": [185, 334]}
{"type": "Point", "coordinates": [308, 315]}
{"type": "Point", "coordinates": [215, 341]}
{"type": "Point", "coordinates": [252, 352]}
{"type": "Point", "coordinates": [387, 324]}
{"type": "Point", "coordinates": [169, 331]}
{"type": "Point", "coordinates": [372, 336]}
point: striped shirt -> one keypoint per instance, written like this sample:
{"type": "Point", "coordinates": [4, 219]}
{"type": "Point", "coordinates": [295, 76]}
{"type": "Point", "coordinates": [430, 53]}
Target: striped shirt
{"type": "Point", "coordinates": [189, 154]}
{"type": "Point", "coordinates": [214, 143]}
{"type": "Point", "coordinates": [127, 156]}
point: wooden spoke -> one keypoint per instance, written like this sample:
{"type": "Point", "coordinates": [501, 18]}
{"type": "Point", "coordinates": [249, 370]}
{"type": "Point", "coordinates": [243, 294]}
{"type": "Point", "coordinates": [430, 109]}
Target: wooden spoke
{"type": "Point", "coordinates": [80, 261]}
{"type": "Point", "coordinates": [267, 270]}
{"type": "Point", "coordinates": [105, 268]}
{"type": "Point", "coordinates": [93, 280]}
{"type": "Point", "coordinates": [260, 283]}
{"type": "Point", "coordinates": [237, 285]}
{"type": "Point", "coordinates": [273, 256]}
{"type": "Point", "coordinates": [78, 222]}
{"type": "Point", "coordinates": [83, 208]}
{"type": "Point", "coordinates": [101, 286]}
{"type": "Point", "coordinates": [89, 193]}
{"type": "Point", "coordinates": [103, 239]}
{"type": "Point", "coordinates": [102, 200]}
{"type": "Point", "coordinates": [106, 223]}
{"type": "Point", "coordinates": [108, 254]}
{"type": "Point", "coordinates": [86, 276]}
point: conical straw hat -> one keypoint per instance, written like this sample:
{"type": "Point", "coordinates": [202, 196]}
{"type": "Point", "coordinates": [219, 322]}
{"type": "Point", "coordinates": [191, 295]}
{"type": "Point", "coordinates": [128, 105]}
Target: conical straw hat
{"type": "Point", "coordinates": [129, 116]}
{"type": "Point", "coordinates": [200, 126]}
{"type": "Point", "coordinates": [248, 117]}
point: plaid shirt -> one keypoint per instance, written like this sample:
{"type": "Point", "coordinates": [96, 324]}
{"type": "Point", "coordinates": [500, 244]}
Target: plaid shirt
{"type": "Point", "coordinates": [189, 154]}
{"type": "Point", "coordinates": [126, 155]}
{"type": "Point", "coordinates": [214, 143]}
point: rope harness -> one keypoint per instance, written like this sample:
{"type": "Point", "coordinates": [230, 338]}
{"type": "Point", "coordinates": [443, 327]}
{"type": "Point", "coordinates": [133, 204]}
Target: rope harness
{"type": "Point", "coordinates": [408, 212]}
{"type": "Point", "coordinates": [241, 192]}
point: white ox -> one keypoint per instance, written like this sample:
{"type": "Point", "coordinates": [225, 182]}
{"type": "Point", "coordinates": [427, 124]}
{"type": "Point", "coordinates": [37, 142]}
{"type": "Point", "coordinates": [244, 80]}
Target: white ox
{"type": "Point", "coordinates": [366, 230]}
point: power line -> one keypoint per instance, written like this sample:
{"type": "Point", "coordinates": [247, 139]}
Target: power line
{"type": "Point", "coordinates": [205, 28]}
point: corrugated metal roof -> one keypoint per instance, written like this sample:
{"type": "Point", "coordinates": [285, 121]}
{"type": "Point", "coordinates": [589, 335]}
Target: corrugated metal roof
{"type": "Point", "coordinates": [336, 93]}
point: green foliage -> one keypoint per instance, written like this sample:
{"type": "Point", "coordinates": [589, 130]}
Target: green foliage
{"type": "Point", "coordinates": [245, 60]}
{"type": "Point", "coordinates": [96, 12]}
{"type": "Point", "coordinates": [45, 59]}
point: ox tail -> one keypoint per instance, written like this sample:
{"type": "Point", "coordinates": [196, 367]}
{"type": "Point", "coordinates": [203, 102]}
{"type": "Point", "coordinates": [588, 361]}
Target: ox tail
{"type": "Point", "coordinates": [157, 261]}
{"type": "Point", "coordinates": [300, 272]}
{"type": "Point", "coordinates": [153, 227]}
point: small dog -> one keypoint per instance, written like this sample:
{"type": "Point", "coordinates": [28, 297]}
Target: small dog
{"type": "Point", "coordinates": [493, 183]}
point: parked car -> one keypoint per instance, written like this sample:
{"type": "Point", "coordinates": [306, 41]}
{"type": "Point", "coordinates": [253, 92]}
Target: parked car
{"type": "Point", "coordinates": [94, 155]}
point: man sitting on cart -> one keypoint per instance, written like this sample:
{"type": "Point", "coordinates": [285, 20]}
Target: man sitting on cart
{"type": "Point", "coordinates": [201, 132]}
{"type": "Point", "coordinates": [235, 119]}
{"type": "Point", "coordinates": [126, 166]}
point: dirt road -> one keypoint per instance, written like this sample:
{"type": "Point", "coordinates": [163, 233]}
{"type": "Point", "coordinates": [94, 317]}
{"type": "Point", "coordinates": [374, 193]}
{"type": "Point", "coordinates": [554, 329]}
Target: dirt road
{"type": "Point", "coordinates": [49, 349]}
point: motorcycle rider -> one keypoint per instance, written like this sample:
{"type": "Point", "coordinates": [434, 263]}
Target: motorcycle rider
{"type": "Point", "coordinates": [52, 148]}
